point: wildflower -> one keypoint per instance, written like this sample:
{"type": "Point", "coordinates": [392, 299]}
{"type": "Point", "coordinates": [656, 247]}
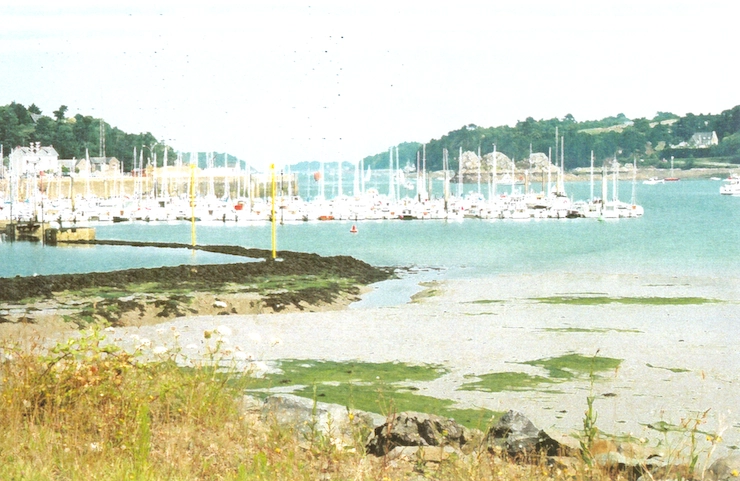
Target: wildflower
{"type": "Point", "coordinates": [240, 356]}
{"type": "Point", "coordinates": [735, 473]}
{"type": "Point", "coordinates": [223, 331]}
{"type": "Point", "coordinates": [255, 337]}
{"type": "Point", "coordinates": [94, 447]}
{"type": "Point", "coordinates": [260, 366]}
{"type": "Point", "coordinates": [159, 350]}
{"type": "Point", "coordinates": [144, 342]}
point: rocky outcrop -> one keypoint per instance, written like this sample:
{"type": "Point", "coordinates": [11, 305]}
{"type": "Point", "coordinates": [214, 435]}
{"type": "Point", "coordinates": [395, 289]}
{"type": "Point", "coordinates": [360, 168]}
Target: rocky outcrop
{"type": "Point", "coordinates": [515, 435]}
{"type": "Point", "coordinates": [312, 421]}
{"type": "Point", "coordinates": [725, 469]}
{"type": "Point", "coordinates": [418, 429]}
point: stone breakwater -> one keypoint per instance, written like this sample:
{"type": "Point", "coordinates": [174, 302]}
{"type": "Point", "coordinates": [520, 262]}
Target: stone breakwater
{"type": "Point", "coordinates": [206, 276]}
{"type": "Point", "coordinates": [296, 281]}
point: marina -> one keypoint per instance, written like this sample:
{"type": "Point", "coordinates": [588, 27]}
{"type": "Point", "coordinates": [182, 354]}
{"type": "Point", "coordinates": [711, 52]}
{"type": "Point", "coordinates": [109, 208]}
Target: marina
{"type": "Point", "coordinates": [687, 227]}
{"type": "Point", "coordinates": [389, 194]}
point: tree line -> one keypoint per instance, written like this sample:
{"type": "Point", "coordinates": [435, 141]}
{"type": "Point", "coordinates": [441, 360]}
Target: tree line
{"type": "Point", "coordinates": [72, 137]}
{"type": "Point", "coordinates": [649, 141]}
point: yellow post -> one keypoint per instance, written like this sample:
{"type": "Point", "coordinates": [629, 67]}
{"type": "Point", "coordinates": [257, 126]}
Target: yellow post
{"type": "Point", "coordinates": [192, 203]}
{"type": "Point", "coordinates": [272, 217]}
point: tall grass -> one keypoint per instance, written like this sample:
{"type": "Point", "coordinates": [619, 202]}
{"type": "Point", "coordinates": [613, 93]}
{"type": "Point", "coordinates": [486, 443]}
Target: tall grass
{"type": "Point", "coordinates": [86, 409]}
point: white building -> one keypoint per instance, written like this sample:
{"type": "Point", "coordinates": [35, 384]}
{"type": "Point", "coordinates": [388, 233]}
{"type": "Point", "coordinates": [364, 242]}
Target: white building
{"type": "Point", "coordinates": [34, 159]}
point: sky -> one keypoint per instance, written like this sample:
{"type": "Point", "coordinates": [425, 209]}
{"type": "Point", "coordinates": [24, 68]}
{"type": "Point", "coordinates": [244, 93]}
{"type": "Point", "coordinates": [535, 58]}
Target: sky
{"type": "Point", "coordinates": [283, 81]}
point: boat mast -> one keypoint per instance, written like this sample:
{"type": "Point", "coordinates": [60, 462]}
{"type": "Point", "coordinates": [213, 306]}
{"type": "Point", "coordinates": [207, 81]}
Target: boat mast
{"type": "Point", "coordinates": [165, 194]}
{"type": "Point", "coordinates": [495, 168]}
{"type": "Point", "coordinates": [339, 178]}
{"type": "Point", "coordinates": [424, 170]}
{"type": "Point", "coordinates": [549, 171]}
{"type": "Point", "coordinates": [561, 187]}
{"type": "Point", "coordinates": [604, 183]}
{"type": "Point", "coordinates": [460, 192]}
{"type": "Point", "coordinates": [399, 177]}
{"type": "Point", "coordinates": [362, 176]}
{"type": "Point", "coordinates": [592, 177]}
{"type": "Point", "coordinates": [615, 192]}
{"type": "Point", "coordinates": [634, 179]}
{"type": "Point", "coordinates": [418, 176]}
{"type": "Point", "coordinates": [479, 162]}
{"type": "Point", "coordinates": [356, 181]}
{"type": "Point", "coordinates": [391, 189]}
{"type": "Point", "coordinates": [446, 162]}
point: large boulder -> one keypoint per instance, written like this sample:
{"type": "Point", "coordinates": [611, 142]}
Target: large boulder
{"type": "Point", "coordinates": [519, 438]}
{"type": "Point", "coordinates": [310, 420]}
{"type": "Point", "coordinates": [726, 468]}
{"type": "Point", "coordinates": [418, 429]}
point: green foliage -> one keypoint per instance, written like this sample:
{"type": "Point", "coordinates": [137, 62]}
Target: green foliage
{"type": "Point", "coordinates": [571, 365]}
{"type": "Point", "coordinates": [373, 387]}
{"type": "Point", "coordinates": [646, 301]}
{"type": "Point", "coordinates": [609, 137]}
{"type": "Point", "coordinates": [505, 381]}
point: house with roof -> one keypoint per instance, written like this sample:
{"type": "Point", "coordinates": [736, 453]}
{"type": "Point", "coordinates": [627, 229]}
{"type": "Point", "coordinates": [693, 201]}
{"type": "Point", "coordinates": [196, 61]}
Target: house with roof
{"type": "Point", "coordinates": [34, 159]}
{"type": "Point", "coordinates": [702, 140]}
{"type": "Point", "coordinates": [98, 166]}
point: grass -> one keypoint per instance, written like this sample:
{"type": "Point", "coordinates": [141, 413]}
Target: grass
{"type": "Point", "coordinates": [375, 387]}
{"type": "Point", "coordinates": [85, 409]}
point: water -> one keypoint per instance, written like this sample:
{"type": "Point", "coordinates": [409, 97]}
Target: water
{"type": "Point", "coordinates": [688, 228]}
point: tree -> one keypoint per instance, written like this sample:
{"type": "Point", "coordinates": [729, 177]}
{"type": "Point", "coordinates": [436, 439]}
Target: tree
{"type": "Point", "coordinates": [59, 114]}
{"type": "Point", "coordinates": [34, 109]}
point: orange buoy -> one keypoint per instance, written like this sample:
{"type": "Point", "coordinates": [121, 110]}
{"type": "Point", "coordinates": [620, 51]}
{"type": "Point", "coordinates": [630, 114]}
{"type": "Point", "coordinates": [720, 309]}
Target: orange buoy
{"type": "Point", "coordinates": [353, 230]}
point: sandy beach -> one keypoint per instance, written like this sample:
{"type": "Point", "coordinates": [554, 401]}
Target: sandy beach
{"type": "Point", "coordinates": [678, 360]}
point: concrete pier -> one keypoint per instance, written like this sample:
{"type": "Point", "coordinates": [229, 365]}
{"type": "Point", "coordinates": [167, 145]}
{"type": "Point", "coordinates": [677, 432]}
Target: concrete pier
{"type": "Point", "coordinates": [38, 231]}
{"type": "Point", "coordinates": [68, 234]}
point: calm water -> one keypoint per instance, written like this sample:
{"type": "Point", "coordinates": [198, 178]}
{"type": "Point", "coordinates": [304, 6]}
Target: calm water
{"type": "Point", "coordinates": [687, 228]}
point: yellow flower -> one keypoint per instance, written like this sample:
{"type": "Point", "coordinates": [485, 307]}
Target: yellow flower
{"type": "Point", "coordinates": [734, 473]}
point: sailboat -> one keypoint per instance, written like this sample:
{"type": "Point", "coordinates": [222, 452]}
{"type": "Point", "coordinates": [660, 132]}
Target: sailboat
{"type": "Point", "coordinates": [672, 178]}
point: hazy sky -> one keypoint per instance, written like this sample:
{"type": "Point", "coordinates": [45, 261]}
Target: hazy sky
{"type": "Point", "coordinates": [285, 81]}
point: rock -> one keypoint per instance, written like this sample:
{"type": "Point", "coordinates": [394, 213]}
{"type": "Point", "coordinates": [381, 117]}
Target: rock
{"type": "Point", "coordinates": [518, 437]}
{"type": "Point", "coordinates": [434, 454]}
{"type": "Point", "coordinates": [309, 419]}
{"type": "Point", "coordinates": [418, 429]}
{"type": "Point", "coordinates": [726, 468]}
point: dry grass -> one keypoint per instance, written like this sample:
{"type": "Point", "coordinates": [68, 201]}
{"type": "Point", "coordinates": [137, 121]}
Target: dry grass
{"type": "Point", "coordinates": [87, 410]}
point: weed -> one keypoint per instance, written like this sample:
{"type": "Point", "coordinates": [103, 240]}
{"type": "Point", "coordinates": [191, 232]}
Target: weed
{"type": "Point", "coordinates": [645, 301]}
